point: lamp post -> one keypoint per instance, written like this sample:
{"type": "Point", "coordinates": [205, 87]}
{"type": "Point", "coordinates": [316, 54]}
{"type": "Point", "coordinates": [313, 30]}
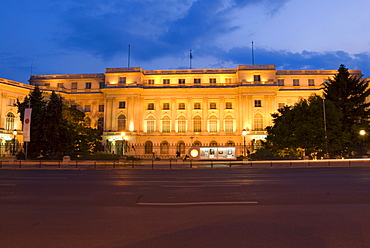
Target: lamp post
{"type": "Point", "coordinates": [363, 133]}
{"type": "Point", "coordinates": [123, 134]}
{"type": "Point", "coordinates": [14, 136]}
{"type": "Point", "coordinates": [244, 133]}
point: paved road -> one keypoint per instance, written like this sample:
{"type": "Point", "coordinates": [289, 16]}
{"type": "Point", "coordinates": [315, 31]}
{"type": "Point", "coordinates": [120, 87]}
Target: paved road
{"type": "Point", "coordinates": [306, 207]}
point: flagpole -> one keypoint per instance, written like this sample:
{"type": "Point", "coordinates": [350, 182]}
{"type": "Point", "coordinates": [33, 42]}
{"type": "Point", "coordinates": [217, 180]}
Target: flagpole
{"type": "Point", "coordinates": [252, 54]}
{"type": "Point", "coordinates": [129, 51]}
{"type": "Point", "coordinates": [191, 57]}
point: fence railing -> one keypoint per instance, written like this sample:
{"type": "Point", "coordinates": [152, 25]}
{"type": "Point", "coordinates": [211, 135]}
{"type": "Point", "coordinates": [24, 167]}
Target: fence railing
{"type": "Point", "coordinates": [12, 163]}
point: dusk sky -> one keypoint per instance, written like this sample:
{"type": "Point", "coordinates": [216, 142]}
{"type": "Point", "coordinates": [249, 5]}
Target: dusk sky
{"type": "Point", "coordinates": [86, 36]}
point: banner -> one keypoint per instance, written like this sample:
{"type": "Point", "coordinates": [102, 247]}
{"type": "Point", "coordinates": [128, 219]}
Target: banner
{"type": "Point", "coordinates": [27, 125]}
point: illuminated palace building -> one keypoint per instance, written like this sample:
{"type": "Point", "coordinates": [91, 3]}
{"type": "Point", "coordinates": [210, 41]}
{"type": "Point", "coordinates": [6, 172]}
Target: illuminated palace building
{"type": "Point", "coordinates": [165, 111]}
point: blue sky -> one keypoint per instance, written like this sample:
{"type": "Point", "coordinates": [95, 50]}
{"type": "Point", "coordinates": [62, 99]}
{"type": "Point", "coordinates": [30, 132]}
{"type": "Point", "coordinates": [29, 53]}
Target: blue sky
{"type": "Point", "coordinates": [86, 36]}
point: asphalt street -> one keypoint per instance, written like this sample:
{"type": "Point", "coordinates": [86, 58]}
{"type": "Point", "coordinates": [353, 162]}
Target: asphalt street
{"type": "Point", "coordinates": [300, 207]}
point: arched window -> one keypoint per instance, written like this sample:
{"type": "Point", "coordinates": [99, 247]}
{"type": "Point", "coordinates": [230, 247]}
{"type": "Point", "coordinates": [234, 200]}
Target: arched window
{"type": "Point", "coordinates": [9, 122]}
{"type": "Point", "coordinates": [229, 124]}
{"type": "Point", "coordinates": [166, 124]}
{"type": "Point", "coordinates": [213, 124]}
{"type": "Point", "coordinates": [150, 124]}
{"type": "Point", "coordinates": [121, 123]}
{"type": "Point", "coordinates": [148, 147]}
{"type": "Point", "coordinates": [197, 123]}
{"type": "Point", "coordinates": [258, 122]}
{"type": "Point", "coordinates": [181, 125]}
{"type": "Point", "coordinates": [197, 143]}
{"type": "Point", "coordinates": [164, 147]}
{"type": "Point", "coordinates": [213, 143]}
{"type": "Point", "coordinates": [101, 123]}
{"type": "Point", "coordinates": [181, 147]}
{"type": "Point", "coordinates": [230, 143]}
{"type": "Point", "coordinates": [87, 122]}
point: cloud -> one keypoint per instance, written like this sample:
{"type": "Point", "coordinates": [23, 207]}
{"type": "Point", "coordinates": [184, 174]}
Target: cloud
{"type": "Point", "coordinates": [153, 28]}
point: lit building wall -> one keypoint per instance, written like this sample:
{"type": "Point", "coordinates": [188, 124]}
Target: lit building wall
{"type": "Point", "coordinates": [192, 105]}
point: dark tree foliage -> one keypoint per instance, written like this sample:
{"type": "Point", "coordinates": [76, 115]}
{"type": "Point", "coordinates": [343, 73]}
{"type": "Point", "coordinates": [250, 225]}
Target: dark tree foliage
{"type": "Point", "coordinates": [34, 100]}
{"type": "Point", "coordinates": [300, 130]}
{"type": "Point", "coordinates": [348, 93]}
{"type": "Point", "coordinates": [56, 129]}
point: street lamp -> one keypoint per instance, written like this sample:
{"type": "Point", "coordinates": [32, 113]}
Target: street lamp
{"type": "Point", "coordinates": [244, 133]}
{"type": "Point", "coordinates": [363, 133]}
{"type": "Point", "coordinates": [123, 134]}
{"type": "Point", "coordinates": [14, 136]}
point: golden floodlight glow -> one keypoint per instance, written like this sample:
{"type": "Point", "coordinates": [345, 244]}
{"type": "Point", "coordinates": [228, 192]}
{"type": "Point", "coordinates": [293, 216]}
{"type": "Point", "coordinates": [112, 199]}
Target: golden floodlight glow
{"type": "Point", "coordinates": [194, 153]}
{"type": "Point", "coordinates": [362, 132]}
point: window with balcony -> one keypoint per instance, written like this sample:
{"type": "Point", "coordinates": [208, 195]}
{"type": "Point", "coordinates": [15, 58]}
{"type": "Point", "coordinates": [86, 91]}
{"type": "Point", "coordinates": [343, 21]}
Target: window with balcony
{"type": "Point", "coordinates": [181, 125]}
{"type": "Point", "coordinates": [229, 124]}
{"type": "Point", "coordinates": [121, 123]}
{"type": "Point", "coordinates": [258, 122]}
{"type": "Point", "coordinates": [166, 124]}
{"type": "Point", "coordinates": [213, 124]}
{"type": "Point", "coordinates": [150, 125]}
{"type": "Point", "coordinates": [197, 124]}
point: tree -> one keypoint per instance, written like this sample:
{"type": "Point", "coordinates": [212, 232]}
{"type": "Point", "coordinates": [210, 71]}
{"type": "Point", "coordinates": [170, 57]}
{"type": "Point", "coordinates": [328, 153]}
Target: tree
{"type": "Point", "coordinates": [56, 129]}
{"type": "Point", "coordinates": [34, 100]}
{"type": "Point", "coordinates": [299, 130]}
{"type": "Point", "coordinates": [348, 93]}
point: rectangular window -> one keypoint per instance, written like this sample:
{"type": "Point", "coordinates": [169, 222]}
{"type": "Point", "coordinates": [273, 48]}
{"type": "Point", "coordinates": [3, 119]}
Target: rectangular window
{"type": "Point", "coordinates": [150, 81]}
{"type": "Point", "coordinates": [150, 126]}
{"type": "Point", "coordinates": [150, 106]}
{"type": "Point", "coordinates": [295, 82]}
{"type": "Point", "coordinates": [88, 85]}
{"type": "Point", "coordinates": [60, 85]}
{"type": "Point", "coordinates": [257, 103]}
{"type": "Point", "coordinates": [181, 81]}
{"type": "Point", "coordinates": [280, 82]}
{"type": "Point", "coordinates": [166, 106]}
{"type": "Point", "coordinates": [229, 125]}
{"type": "Point", "coordinates": [74, 86]}
{"type": "Point", "coordinates": [212, 80]}
{"type": "Point", "coordinates": [181, 105]}
{"type": "Point", "coordinates": [182, 125]}
{"type": "Point", "coordinates": [229, 105]}
{"type": "Point", "coordinates": [101, 108]}
{"type": "Point", "coordinates": [197, 105]}
{"type": "Point", "coordinates": [166, 126]}
{"type": "Point", "coordinates": [11, 102]}
{"type": "Point", "coordinates": [311, 82]}
{"type": "Point", "coordinates": [122, 80]}
{"type": "Point", "coordinates": [196, 80]}
{"type": "Point", "coordinates": [87, 108]}
{"type": "Point", "coordinates": [213, 125]}
{"type": "Point", "coordinates": [166, 81]}
{"type": "Point", "coordinates": [197, 124]}
{"type": "Point", "coordinates": [257, 78]}
{"type": "Point", "coordinates": [101, 85]}
{"type": "Point", "coordinates": [122, 105]}
{"type": "Point", "coordinates": [228, 80]}
{"type": "Point", "coordinates": [212, 105]}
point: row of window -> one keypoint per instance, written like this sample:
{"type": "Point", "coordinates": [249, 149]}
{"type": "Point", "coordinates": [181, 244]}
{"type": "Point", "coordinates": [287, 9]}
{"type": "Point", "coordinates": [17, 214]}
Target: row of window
{"type": "Point", "coordinates": [195, 81]}
{"type": "Point", "coordinates": [182, 124]}
{"type": "Point", "coordinates": [166, 106]}
{"type": "Point", "coordinates": [311, 82]}
{"type": "Point", "coordinates": [74, 85]}
{"type": "Point", "coordinates": [197, 105]}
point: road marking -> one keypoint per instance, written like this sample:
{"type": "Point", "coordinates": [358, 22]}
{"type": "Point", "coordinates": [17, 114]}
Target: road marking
{"type": "Point", "coordinates": [193, 203]}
